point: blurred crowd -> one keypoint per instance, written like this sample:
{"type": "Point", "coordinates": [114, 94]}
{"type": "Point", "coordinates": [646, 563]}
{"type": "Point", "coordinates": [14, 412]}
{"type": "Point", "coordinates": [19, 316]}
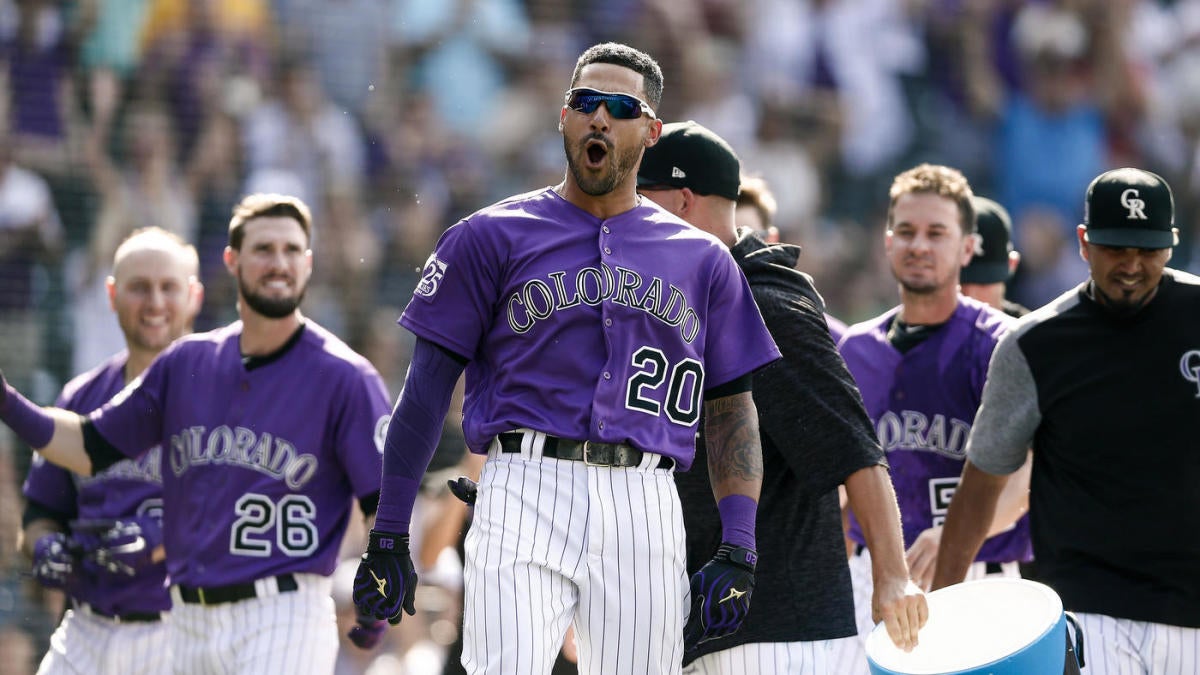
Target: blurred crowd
{"type": "Point", "coordinates": [395, 118]}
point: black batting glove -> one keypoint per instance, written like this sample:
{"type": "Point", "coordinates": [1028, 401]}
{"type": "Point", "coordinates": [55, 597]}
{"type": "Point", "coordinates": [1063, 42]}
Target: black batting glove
{"type": "Point", "coordinates": [464, 488]}
{"type": "Point", "coordinates": [386, 582]}
{"type": "Point", "coordinates": [721, 593]}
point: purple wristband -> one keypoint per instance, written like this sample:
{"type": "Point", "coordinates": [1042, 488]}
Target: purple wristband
{"type": "Point", "coordinates": [28, 421]}
{"type": "Point", "coordinates": [737, 520]}
{"type": "Point", "coordinates": [395, 493]}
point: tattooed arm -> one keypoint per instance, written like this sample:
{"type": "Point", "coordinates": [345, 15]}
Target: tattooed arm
{"type": "Point", "coordinates": [734, 450]}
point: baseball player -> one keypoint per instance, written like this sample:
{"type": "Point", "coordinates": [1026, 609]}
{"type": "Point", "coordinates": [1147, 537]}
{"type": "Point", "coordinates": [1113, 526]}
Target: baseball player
{"type": "Point", "coordinates": [594, 328]}
{"type": "Point", "coordinates": [815, 435]}
{"type": "Point", "coordinates": [99, 538]}
{"type": "Point", "coordinates": [995, 260]}
{"type": "Point", "coordinates": [921, 367]}
{"type": "Point", "coordinates": [1104, 382]}
{"type": "Point", "coordinates": [269, 427]}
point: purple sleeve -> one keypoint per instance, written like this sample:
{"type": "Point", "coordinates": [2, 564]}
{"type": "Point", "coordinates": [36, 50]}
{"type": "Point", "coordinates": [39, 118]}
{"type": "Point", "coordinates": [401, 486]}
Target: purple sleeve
{"type": "Point", "coordinates": [132, 420]}
{"type": "Point", "coordinates": [51, 486]}
{"type": "Point", "coordinates": [360, 431]}
{"type": "Point", "coordinates": [462, 274]}
{"type": "Point", "coordinates": [738, 340]}
{"type": "Point", "coordinates": [413, 433]}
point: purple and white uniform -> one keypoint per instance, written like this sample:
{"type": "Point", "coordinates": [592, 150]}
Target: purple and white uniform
{"type": "Point", "coordinates": [261, 459]}
{"type": "Point", "coordinates": [923, 402]}
{"type": "Point", "coordinates": [92, 637]}
{"type": "Point", "coordinates": [585, 329]}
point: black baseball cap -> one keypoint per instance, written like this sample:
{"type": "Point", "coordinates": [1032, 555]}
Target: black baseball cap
{"type": "Point", "coordinates": [989, 265]}
{"type": "Point", "coordinates": [1130, 208]}
{"type": "Point", "coordinates": [688, 155]}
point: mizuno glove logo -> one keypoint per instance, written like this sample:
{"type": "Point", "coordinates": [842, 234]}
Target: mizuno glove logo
{"type": "Point", "coordinates": [381, 584]}
{"type": "Point", "coordinates": [734, 594]}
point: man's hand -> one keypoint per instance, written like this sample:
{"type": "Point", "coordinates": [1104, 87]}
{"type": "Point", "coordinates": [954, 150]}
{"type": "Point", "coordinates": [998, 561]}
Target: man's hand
{"type": "Point", "coordinates": [123, 547]}
{"type": "Point", "coordinates": [367, 633]}
{"type": "Point", "coordinates": [901, 605]}
{"type": "Point", "coordinates": [721, 593]}
{"type": "Point", "coordinates": [386, 582]}
{"type": "Point", "coordinates": [464, 488]}
{"type": "Point", "coordinates": [922, 556]}
{"type": "Point", "coordinates": [55, 565]}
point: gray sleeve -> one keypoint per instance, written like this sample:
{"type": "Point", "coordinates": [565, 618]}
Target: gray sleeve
{"type": "Point", "coordinates": [1009, 414]}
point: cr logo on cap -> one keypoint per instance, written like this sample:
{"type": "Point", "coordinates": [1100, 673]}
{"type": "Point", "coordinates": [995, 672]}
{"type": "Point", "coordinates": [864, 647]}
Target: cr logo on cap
{"type": "Point", "coordinates": [1134, 205]}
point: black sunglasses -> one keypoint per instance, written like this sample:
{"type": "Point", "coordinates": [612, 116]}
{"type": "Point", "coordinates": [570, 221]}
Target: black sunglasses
{"type": "Point", "coordinates": [620, 106]}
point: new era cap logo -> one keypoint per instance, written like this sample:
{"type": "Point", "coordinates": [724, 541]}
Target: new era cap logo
{"type": "Point", "coordinates": [677, 172]}
{"type": "Point", "coordinates": [1133, 204]}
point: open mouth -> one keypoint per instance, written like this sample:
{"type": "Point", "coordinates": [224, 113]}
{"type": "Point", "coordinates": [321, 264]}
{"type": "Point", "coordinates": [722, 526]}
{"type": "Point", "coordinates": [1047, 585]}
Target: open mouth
{"type": "Point", "coordinates": [596, 152]}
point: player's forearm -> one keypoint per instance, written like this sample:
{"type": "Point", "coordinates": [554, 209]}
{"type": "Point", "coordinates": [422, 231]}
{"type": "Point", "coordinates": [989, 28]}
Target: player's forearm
{"type": "Point", "coordinates": [871, 496]}
{"type": "Point", "coordinates": [1014, 499]}
{"type": "Point", "coordinates": [413, 432]}
{"type": "Point", "coordinates": [734, 446]}
{"type": "Point", "coordinates": [734, 464]}
{"type": "Point", "coordinates": [53, 432]}
{"type": "Point", "coordinates": [972, 510]}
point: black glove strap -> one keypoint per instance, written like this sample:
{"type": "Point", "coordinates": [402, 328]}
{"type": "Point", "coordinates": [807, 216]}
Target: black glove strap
{"type": "Point", "coordinates": [385, 542]}
{"type": "Point", "coordinates": [738, 555]}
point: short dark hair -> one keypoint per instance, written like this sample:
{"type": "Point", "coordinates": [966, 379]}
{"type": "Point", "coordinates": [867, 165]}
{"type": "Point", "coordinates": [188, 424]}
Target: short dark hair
{"type": "Point", "coordinates": [942, 181]}
{"type": "Point", "coordinates": [267, 205]}
{"type": "Point", "coordinates": [626, 57]}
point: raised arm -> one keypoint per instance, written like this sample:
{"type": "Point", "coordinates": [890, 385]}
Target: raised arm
{"type": "Point", "coordinates": [55, 433]}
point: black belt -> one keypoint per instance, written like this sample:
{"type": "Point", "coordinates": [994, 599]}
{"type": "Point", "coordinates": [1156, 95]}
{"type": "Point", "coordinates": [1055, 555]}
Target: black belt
{"type": "Point", "coordinates": [218, 595]}
{"type": "Point", "coordinates": [588, 452]}
{"type": "Point", "coordinates": [122, 617]}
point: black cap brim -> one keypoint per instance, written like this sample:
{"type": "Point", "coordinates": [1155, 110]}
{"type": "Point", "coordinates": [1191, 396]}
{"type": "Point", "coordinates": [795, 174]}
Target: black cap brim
{"type": "Point", "coordinates": [984, 273]}
{"type": "Point", "coordinates": [1130, 238]}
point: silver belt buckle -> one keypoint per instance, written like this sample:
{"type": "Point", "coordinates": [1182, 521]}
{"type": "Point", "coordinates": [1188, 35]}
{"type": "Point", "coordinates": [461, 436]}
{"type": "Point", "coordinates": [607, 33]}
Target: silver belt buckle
{"type": "Point", "coordinates": [587, 446]}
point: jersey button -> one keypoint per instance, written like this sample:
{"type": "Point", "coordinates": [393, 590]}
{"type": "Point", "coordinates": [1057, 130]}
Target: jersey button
{"type": "Point", "coordinates": [608, 323]}
{"type": "Point", "coordinates": [607, 251]}
{"type": "Point", "coordinates": [601, 425]}
{"type": "Point", "coordinates": [605, 229]}
{"type": "Point", "coordinates": [608, 376]}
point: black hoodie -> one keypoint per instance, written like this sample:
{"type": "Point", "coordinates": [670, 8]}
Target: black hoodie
{"type": "Point", "coordinates": [815, 433]}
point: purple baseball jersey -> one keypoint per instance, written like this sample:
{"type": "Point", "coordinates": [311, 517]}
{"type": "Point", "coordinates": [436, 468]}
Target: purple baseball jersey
{"type": "Point", "coordinates": [543, 296]}
{"type": "Point", "coordinates": [923, 403]}
{"type": "Point", "coordinates": [131, 487]}
{"type": "Point", "coordinates": [260, 464]}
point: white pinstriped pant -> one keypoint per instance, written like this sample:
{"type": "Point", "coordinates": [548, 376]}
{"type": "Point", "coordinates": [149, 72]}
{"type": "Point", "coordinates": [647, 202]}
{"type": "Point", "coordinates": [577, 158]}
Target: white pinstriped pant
{"type": "Point", "coordinates": [850, 654]}
{"type": "Point", "coordinates": [87, 643]}
{"type": "Point", "coordinates": [767, 658]}
{"type": "Point", "coordinates": [274, 634]}
{"type": "Point", "coordinates": [1113, 646]}
{"type": "Point", "coordinates": [555, 541]}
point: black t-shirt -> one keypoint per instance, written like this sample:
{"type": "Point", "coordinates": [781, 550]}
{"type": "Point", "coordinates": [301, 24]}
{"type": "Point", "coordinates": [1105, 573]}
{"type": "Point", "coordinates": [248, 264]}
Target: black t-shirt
{"type": "Point", "coordinates": [1111, 405]}
{"type": "Point", "coordinates": [815, 433]}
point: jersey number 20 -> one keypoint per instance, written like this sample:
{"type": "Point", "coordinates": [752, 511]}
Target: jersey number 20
{"type": "Point", "coordinates": [682, 399]}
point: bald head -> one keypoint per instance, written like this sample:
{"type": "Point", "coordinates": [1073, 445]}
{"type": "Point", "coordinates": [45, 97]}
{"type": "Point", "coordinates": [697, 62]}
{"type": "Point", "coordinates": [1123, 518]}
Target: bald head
{"type": "Point", "coordinates": [154, 289]}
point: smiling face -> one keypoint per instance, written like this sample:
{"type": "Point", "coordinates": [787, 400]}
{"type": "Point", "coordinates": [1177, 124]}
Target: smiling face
{"type": "Point", "coordinates": [154, 292]}
{"type": "Point", "coordinates": [602, 151]}
{"type": "Point", "coordinates": [925, 243]}
{"type": "Point", "coordinates": [1124, 279]}
{"type": "Point", "coordinates": [272, 266]}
